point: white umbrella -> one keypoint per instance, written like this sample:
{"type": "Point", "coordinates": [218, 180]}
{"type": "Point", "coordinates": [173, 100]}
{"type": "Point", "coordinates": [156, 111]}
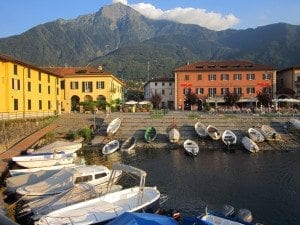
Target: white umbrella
{"type": "Point", "coordinates": [145, 103]}
{"type": "Point", "coordinates": [287, 100]}
{"type": "Point", "coordinates": [131, 102]}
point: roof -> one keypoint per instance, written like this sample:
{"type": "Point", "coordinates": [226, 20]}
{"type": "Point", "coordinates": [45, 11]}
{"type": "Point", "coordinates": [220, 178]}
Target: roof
{"type": "Point", "coordinates": [7, 58]}
{"type": "Point", "coordinates": [290, 68]}
{"type": "Point", "coordinates": [223, 66]}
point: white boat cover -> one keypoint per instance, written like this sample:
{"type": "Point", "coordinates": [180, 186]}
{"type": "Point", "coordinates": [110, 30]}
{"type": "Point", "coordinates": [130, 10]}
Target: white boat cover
{"type": "Point", "coordinates": [58, 146]}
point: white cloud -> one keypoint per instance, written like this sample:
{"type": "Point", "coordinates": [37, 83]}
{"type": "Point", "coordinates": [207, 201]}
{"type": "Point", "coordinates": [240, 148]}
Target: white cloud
{"type": "Point", "coordinates": [124, 2]}
{"type": "Point", "coordinates": [201, 17]}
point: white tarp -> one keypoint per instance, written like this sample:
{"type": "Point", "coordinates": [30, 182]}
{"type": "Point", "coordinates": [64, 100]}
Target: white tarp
{"type": "Point", "coordinates": [131, 102]}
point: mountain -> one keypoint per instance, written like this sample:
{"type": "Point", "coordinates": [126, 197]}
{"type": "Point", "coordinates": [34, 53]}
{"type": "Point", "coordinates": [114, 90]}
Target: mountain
{"type": "Point", "coordinates": [135, 47]}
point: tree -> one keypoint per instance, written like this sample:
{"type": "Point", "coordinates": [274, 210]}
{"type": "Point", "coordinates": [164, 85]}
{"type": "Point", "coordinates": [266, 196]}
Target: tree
{"type": "Point", "coordinates": [264, 98]}
{"type": "Point", "coordinates": [155, 100]}
{"type": "Point", "coordinates": [191, 98]}
{"type": "Point", "coordinates": [231, 99]}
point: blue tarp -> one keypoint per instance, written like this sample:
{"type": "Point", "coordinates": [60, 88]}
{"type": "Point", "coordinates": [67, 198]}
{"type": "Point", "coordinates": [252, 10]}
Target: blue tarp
{"type": "Point", "coordinates": [129, 218]}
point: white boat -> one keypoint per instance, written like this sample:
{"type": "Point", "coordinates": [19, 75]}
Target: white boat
{"type": "Point", "coordinates": [53, 159]}
{"type": "Point", "coordinates": [191, 147]}
{"type": "Point", "coordinates": [34, 210]}
{"type": "Point", "coordinates": [200, 129]}
{"type": "Point", "coordinates": [111, 147]}
{"type": "Point", "coordinates": [17, 172]}
{"type": "Point", "coordinates": [57, 146]}
{"type": "Point", "coordinates": [113, 126]}
{"type": "Point", "coordinates": [108, 206]}
{"type": "Point", "coordinates": [295, 123]}
{"type": "Point", "coordinates": [174, 135]}
{"type": "Point", "coordinates": [269, 133]}
{"type": "Point", "coordinates": [128, 144]}
{"type": "Point", "coordinates": [255, 135]}
{"type": "Point", "coordinates": [250, 145]}
{"type": "Point", "coordinates": [213, 132]}
{"type": "Point", "coordinates": [229, 138]}
{"type": "Point", "coordinates": [65, 180]}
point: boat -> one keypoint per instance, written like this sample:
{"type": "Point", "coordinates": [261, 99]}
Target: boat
{"type": "Point", "coordinates": [200, 129]}
{"type": "Point", "coordinates": [191, 147]}
{"type": "Point", "coordinates": [57, 146]}
{"type": "Point", "coordinates": [17, 172]}
{"type": "Point", "coordinates": [150, 134]}
{"type": "Point", "coordinates": [229, 138]}
{"type": "Point", "coordinates": [213, 132]}
{"type": "Point", "coordinates": [128, 144]}
{"type": "Point", "coordinates": [269, 133]}
{"type": "Point", "coordinates": [111, 147]}
{"type": "Point", "coordinates": [52, 159]}
{"type": "Point", "coordinates": [295, 123]}
{"type": "Point", "coordinates": [65, 180]}
{"type": "Point", "coordinates": [255, 135]}
{"type": "Point", "coordinates": [109, 206]}
{"type": "Point", "coordinates": [250, 145]}
{"type": "Point", "coordinates": [174, 135]}
{"type": "Point", "coordinates": [113, 126]}
{"type": "Point", "coordinates": [34, 210]}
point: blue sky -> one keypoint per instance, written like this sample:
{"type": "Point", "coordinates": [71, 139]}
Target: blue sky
{"type": "Point", "coordinates": [18, 16]}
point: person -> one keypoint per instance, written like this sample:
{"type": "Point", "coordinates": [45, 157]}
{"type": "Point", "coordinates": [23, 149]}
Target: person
{"type": "Point", "coordinates": [108, 111]}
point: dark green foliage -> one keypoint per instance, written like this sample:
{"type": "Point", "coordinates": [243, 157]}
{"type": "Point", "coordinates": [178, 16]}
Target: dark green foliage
{"type": "Point", "coordinates": [231, 99]}
{"type": "Point", "coordinates": [264, 98]}
{"type": "Point", "coordinates": [72, 135]}
{"type": "Point", "coordinates": [191, 98]}
{"type": "Point", "coordinates": [155, 100]}
{"type": "Point", "coordinates": [86, 133]}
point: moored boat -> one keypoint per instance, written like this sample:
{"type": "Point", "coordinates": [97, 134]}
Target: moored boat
{"type": "Point", "coordinates": [57, 146]}
{"type": "Point", "coordinates": [128, 144]}
{"type": "Point", "coordinates": [191, 147]}
{"type": "Point", "coordinates": [200, 129]}
{"type": "Point", "coordinates": [111, 147]}
{"type": "Point", "coordinates": [213, 132]}
{"type": "Point", "coordinates": [255, 135]}
{"type": "Point", "coordinates": [173, 135]}
{"type": "Point", "coordinates": [150, 134]}
{"type": "Point", "coordinates": [269, 133]}
{"type": "Point", "coordinates": [250, 145]}
{"type": "Point", "coordinates": [113, 126]}
{"type": "Point", "coordinates": [229, 138]}
{"type": "Point", "coordinates": [296, 123]}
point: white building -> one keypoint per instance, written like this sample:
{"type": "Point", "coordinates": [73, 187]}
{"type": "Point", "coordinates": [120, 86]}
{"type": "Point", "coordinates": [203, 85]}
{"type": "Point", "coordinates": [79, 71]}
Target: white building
{"type": "Point", "coordinates": [164, 87]}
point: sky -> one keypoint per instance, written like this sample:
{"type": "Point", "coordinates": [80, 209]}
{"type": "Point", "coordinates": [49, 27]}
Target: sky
{"type": "Point", "coordinates": [18, 16]}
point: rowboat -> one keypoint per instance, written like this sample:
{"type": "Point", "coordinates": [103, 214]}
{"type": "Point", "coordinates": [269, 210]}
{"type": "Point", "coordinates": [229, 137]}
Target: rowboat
{"type": "Point", "coordinates": [111, 147]}
{"type": "Point", "coordinates": [201, 130]}
{"type": "Point", "coordinates": [213, 132]}
{"type": "Point", "coordinates": [295, 123]}
{"type": "Point", "coordinates": [250, 145]}
{"type": "Point", "coordinates": [57, 146]}
{"type": "Point", "coordinates": [269, 133]}
{"type": "Point", "coordinates": [174, 135]}
{"type": "Point", "coordinates": [229, 138]}
{"type": "Point", "coordinates": [109, 206]}
{"type": "Point", "coordinates": [128, 144]}
{"type": "Point", "coordinates": [113, 126]}
{"type": "Point", "coordinates": [255, 135]}
{"type": "Point", "coordinates": [191, 147]}
{"type": "Point", "coordinates": [52, 159]}
{"type": "Point", "coordinates": [150, 134]}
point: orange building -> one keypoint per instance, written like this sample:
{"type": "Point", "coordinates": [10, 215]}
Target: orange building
{"type": "Point", "coordinates": [210, 80]}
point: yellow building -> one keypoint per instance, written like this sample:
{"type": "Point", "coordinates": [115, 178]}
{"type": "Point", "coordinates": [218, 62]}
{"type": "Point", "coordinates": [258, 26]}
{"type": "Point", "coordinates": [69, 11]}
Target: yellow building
{"type": "Point", "coordinates": [81, 84]}
{"type": "Point", "coordinates": [26, 90]}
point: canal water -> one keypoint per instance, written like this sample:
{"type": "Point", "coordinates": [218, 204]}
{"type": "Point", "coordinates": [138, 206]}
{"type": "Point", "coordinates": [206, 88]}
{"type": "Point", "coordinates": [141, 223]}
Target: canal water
{"type": "Point", "coordinates": [267, 183]}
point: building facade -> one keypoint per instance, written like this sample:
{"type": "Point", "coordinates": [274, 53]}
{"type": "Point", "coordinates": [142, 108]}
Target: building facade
{"type": "Point", "coordinates": [212, 80]}
{"type": "Point", "coordinates": [288, 83]}
{"type": "Point", "coordinates": [163, 87]}
{"type": "Point", "coordinates": [27, 90]}
{"type": "Point", "coordinates": [81, 84]}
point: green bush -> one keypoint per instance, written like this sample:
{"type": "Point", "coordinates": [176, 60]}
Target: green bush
{"type": "Point", "coordinates": [72, 135]}
{"type": "Point", "coordinates": [86, 133]}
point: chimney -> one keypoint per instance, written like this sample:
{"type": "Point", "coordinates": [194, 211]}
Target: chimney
{"type": "Point", "coordinates": [100, 67]}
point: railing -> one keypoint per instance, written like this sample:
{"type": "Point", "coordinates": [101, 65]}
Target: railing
{"type": "Point", "coordinates": [23, 115]}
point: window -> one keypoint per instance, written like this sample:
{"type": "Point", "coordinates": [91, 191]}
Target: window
{"type": "Point", "coordinates": [237, 76]}
{"type": "Point", "coordinates": [163, 84]}
{"type": "Point", "coordinates": [100, 85]}
{"type": "Point", "coordinates": [57, 91]}
{"type": "Point", "coordinates": [155, 84]}
{"type": "Point", "coordinates": [49, 105]}
{"type": "Point", "coordinates": [48, 78]}
{"type": "Point", "coordinates": [15, 70]}
{"type": "Point", "coordinates": [224, 76]}
{"type": "Point", "coordinates": [29, 104]}
{"type": "Point", "coordinates": [16, 105]}
{"type": "Point", "coordinates": [250, 90]}
{"type": "Point", "coordinates": [16, 85]}
{"type": "Point", "coordinates": [40, 104]}
{"type": "Point", "coordinates": [74, 85]}
{"type": "Point", "coordinates": [186, 91]}
{"type": "Point", "coordinates": [29, 86]}
{"type": "Point", "coordinates": [212, 92]}
{"type": "Point", "coordinates": [100, 175]}
{"type": "Point", "coordinates": [29, 73]}
{"type": "Point", "coordinates": [83, 179]}
{"type": "Point", "coordinates": [199, 90]}
{"type": "Point", "coordinates": [62, 85]}
{"type": "Point", "coordinates": [163, 92]}
{"type": "Point", "coordinates": [224, 91]}
{"type": "Point", "coordinates": [267, 90]}
{"type": "Point", "coordinates": [266, 76]}
{"type": "Point", "coordinates": [40, 88]}
{"type": "Point", "coordinates": [237, 91]}
{"type": "Point", "coordinates": [199, 76]}
{"type": "Point", "coordinates": [170, 84]}
{"type": "Point", "coordinates": [87, 86]}
{"type": "Point", "coordinates": [49, 90]}
{"type": "Point", "coordinates": [186, 77]}
{"type": "Point", "coordinates": [212, 77]}
{"type": "Point", "coordinates": [40, 76]}
{"type": "Point", "coordinates": [251, 76]}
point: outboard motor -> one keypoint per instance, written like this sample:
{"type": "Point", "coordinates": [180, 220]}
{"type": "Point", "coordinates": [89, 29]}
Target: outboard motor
{"type": "Point", "coordinates": [227, 210]}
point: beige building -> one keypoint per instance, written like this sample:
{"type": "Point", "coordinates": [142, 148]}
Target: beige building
{"type": "Point", "coordinates": [288, 83]}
